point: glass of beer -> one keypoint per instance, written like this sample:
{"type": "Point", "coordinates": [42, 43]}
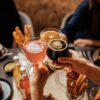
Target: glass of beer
{"type": "Point", "coordinates": [35, 50]}
{"type": "Point", "coordinates": [49, 34]}
{"type": "Point", "coordinates": [57, 48]}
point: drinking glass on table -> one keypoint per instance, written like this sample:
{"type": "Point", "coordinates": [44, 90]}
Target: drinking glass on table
{"type": "Point", "coordinates": [49, 34]}
{"type": "Point", "coordinates": [35, 50]}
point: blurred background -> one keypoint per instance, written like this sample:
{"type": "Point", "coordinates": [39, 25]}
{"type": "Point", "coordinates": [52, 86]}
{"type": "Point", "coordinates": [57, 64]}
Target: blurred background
{"type": "Point", "coordinates": [46, 13]}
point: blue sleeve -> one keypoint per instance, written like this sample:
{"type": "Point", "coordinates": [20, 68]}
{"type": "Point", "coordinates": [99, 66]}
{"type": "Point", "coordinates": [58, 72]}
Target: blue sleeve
{"type": "Point", "coordinates": [75, 22]}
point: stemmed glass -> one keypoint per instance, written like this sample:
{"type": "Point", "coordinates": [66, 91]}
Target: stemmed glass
{"type": "Point", "coordinates": [35, 50]}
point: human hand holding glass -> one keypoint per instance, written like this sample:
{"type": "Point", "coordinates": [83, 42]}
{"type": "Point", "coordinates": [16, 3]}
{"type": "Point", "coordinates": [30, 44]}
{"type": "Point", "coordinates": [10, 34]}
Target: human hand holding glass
{"type": "Point", "coordinates": [38, 80]}
{"type": "Point", "coordinates": [76, 83]}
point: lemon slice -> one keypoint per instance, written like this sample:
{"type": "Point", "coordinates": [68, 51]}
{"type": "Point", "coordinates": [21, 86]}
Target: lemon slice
{"type": "Point", "coordinates": [9, 67]}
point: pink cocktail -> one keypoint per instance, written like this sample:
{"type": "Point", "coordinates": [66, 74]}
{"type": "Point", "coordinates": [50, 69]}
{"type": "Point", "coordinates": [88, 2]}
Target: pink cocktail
{"type": "Point", "coordinates": [35, 51]}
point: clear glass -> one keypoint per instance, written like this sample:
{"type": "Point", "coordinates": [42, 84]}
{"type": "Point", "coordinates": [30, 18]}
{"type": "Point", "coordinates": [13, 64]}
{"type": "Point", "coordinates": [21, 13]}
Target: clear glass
{"type": "Point", "coordinates": [49, 34]}
{"type": "Point", "coordinates": [35, 50]}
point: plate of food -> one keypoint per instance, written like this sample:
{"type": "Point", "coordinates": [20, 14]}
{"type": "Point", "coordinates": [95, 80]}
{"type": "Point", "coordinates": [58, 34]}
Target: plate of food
{"type": "Point", "coordinates": [5, 90]}
{"type": "Point", "coordinates": [3, 51]}
{"type": "Point", "coordinates": [8, 67]}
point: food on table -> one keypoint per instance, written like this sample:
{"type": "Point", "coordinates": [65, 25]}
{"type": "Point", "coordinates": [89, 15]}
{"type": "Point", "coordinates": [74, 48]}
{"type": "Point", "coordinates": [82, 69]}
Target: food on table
{"type": "Point", "coordinates": [22, 38]}
{"type": "Point", "coordinates": [28, 33]}
{"type": "Point", "coordinates": [1, 91]}
{"type": "Point", "coordinates": [76, 84]}
{"type": "Point", "coordinates": [97, 97]}
{"type": "Point", "coordinates": [9, 67]}
{"type": "Point", "coordinates": [50, 34]}
{"type": "Point", "coordinates": [18, 36]}
{"type": "Point", "coordinates": [17, 76]}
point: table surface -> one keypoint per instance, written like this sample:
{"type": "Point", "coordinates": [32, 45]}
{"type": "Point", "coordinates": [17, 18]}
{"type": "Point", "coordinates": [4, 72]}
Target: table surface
{"type": "Point", "coordinates": [54, 85]}
{"type": "Point", "coordinates": [86, 52]}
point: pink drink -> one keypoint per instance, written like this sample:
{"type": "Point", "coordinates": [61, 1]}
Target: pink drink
{"type": "Point", "coordinates": [35, 51]}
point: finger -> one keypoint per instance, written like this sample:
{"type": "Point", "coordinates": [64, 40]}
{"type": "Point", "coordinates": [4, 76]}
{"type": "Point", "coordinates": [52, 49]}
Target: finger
{"type": "Point", "coordinates": [59, 64]}
{"type": "Point", "coordinates": [66, 60]}
{"type": "Point", "coordinates": [74, 53]}
{"type": "Point", "coordinates": [28, 31]}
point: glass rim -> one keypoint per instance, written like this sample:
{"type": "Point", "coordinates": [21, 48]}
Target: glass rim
{"type": "Point", "coordinates": [49, 45]}
{"type": "Point", "coordinates": [32, 40]}
{"type": "Point", "coordinates": [50, 29]}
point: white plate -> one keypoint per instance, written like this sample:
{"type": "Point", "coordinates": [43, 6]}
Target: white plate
{"type": "Point", "coordinates": [7, 89]}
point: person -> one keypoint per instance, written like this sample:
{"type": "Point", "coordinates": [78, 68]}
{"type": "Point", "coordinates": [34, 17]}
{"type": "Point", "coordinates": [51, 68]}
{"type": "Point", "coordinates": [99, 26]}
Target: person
{"type": "Point", "coordinates": [83, 26]}
{"type": "Point", "coordinates": [9, 19]}
{"type": "Point", "coordinates": [40, 75]}
{"type": "Point", "coordinates": [37, 81]}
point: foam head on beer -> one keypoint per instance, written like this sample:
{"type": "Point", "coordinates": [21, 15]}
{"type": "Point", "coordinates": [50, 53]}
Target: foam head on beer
{"type": "Point", "coordinates": [57, 48]}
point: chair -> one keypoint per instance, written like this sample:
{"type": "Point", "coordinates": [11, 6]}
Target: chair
{"type": "Point", "coordinates": [66, 19]}
{"type": "Point", "coordinates": [26, 20]}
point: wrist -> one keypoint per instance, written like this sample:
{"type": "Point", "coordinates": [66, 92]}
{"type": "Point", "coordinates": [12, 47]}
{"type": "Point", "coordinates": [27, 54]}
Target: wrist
{"type": "Point", "coordinates": [36, 94]}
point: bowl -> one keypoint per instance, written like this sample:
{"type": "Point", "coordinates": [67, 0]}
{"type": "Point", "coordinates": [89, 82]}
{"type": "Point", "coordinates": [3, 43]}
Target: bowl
{"type": "Point", "coordinates": [8, 67]}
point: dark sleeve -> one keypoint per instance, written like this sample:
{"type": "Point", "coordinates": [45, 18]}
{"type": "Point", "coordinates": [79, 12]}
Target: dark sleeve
{"type": "Point", "coordinates": [9, 19]}
{"type": "Point", "coordinates": [75, 22]}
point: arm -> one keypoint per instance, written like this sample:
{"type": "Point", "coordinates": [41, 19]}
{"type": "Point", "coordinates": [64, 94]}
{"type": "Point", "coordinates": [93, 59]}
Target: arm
{"type": "Point", "coordinates": [36, 93]}
{"type": "Point", "coordinates": [86, 42]}
{"type": "Point", "coordinates": [37, 81]}
{"type": "Point", "coordinates": [81, 66]}
{"type": "Point", "coordinates": [75, 21]}
{"type": "Point", "coordinates": [96, 43]}
{"type": "Point", "coordinates": [92, 72]}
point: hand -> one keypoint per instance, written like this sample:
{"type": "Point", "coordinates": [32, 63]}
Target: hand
{"type": "Point", "coordinates": [37, 81]}
{"type": "Point", "coordinates": [39, 76]}
{"type": "Point", "coordinates": [74, 63]}
{"type": "Point", "coordinates": [83, 42]}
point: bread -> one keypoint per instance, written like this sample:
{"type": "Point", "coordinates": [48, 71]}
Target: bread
{"type": "Point", "coordinates": [76, 84]}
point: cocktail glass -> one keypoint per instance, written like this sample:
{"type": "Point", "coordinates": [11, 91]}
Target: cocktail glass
{"type": "Point", "coordinates": [35, 50]}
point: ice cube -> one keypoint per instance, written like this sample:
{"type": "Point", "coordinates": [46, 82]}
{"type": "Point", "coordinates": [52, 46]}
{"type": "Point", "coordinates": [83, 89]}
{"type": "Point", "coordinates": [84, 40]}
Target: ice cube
{"type": "Point", "coordinates": [34, 47]}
